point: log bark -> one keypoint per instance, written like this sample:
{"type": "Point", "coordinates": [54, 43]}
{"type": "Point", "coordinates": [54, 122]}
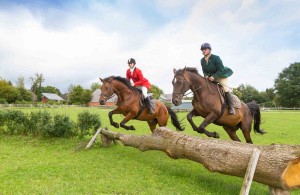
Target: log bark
{"type": "Point", "coordinates": [278, 164]}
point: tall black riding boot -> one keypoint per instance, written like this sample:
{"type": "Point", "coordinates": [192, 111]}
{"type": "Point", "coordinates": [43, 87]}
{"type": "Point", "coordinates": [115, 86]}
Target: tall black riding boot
{"type": "Point", "coordinates": [148, 104]}
{"type": "Point", "coordinates": [230, 102]}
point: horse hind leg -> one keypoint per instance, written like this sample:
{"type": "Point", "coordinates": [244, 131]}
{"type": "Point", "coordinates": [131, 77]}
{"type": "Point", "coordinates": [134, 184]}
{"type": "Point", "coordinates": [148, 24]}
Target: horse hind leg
{"type": "Point", "coordinates": [231, 131]}
{"type": "Point", "coordinates": [246, 129]}
{"type": "Point", "coordinates": [152, 124]}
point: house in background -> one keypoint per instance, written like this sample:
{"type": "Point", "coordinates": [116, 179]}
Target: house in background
{"type": "Point", "coordinates": [186, 103]}
{"type": "Point", "coordinates": [166, 98]}
{"type": "Point", "coordinates": [51, 96]}
{"type": "Point", "coordinates": [96, 96]}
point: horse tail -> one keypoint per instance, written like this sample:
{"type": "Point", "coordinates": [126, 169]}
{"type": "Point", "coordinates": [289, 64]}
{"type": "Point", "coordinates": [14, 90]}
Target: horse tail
{"type": "Point", "coordinates": [174, 119]}
{"type": "Point", "coordinates": [255, 111]}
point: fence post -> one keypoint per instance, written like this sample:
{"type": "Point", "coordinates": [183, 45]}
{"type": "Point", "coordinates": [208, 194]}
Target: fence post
{"type": "Point", "coordinates": [250, 172]}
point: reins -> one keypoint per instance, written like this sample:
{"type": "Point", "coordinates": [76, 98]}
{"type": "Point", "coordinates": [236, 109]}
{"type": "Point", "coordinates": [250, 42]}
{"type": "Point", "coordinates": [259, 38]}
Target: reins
{"type": "Point", "coordinates": [117, 93]}
{"type": "Point", "coordinates": [209, 89]}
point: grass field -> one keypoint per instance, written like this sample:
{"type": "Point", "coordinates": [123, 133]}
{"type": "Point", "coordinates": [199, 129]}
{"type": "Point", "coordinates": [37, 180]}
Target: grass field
{"type": "Point", "coordinates": [61, 166]}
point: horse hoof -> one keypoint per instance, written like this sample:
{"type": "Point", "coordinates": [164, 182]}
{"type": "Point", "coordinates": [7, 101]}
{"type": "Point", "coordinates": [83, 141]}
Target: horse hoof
{"type": "Point", "coordinates": [217, 135]}
{"type": "Point", "coordinates": [132, 128]}
{"type": "Point", "coordinates": [115, 125]}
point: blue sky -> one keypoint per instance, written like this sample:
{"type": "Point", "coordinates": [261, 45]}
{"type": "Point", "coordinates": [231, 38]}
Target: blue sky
{"type": "Point", "coordinates": [75, 42]}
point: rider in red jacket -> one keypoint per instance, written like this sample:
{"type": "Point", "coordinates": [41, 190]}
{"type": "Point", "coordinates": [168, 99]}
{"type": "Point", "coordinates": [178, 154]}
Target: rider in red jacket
{"type": "Point", "coordinates": [139, 81]}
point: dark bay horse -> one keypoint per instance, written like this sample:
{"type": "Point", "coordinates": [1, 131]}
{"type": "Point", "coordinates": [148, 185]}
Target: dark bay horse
{"type": "Point", "coordinates": [128, 104]}
{"type": "Point", "coordinates": [207, 103]}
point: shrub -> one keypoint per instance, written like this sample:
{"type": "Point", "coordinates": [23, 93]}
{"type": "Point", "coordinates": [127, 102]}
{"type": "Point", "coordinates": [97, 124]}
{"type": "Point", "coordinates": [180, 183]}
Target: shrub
{"type": "Point", "coordinates": [39, 123]}
{"type": "Point", "coordinates": [2, 118]}
{"type": "Point", "coordinates": [15, 122]}
{"type": "Point", "coordinates": [87, 122]}
{"type": "Point", "coordinates": [3, 101]}
{"type": "Point", "coordinates": [62, 126]}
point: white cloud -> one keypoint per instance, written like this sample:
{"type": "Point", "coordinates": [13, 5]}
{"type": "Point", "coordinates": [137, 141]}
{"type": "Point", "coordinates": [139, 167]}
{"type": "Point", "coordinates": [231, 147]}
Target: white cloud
{"type": "Point", "coordinates": [86, 49]}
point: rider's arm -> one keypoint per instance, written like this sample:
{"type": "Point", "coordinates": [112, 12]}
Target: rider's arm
{"type": "Point", "coordinates": [128, 75]}
{"type": "Point", "coordinates": [140, 77]}
{"type": "Point", "coordinates": [203, 70]}
{"type": "Point", "coordinates": [220, 68]}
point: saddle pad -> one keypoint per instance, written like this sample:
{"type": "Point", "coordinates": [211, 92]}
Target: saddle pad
{"type": "Point", "coordinates": [152, 102]}
{"type": "Point", "coordinates": [236, 101]}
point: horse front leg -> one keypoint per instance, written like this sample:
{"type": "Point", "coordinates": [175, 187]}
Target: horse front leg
{"type": "Point", "coordinates": [112, 122]}
{"type": "Point", "coordinates": [127, 118]}
{"type": "Point", "coordinates": [208, 120]}
{"type": "Point", "coordinates": [190, 119]}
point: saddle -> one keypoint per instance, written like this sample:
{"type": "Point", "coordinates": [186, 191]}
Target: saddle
{"type": "Point", "coordinates": [143, 105]}
{"type": "Point", "coordinates": [152, 102]}
{"type": "Point", "coordinates": [236, 101]}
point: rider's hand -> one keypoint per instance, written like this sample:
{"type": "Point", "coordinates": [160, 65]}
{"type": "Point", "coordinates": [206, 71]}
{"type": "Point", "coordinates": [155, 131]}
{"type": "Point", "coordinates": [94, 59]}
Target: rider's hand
{"type": "Point", "coordinates": [206, 77]}
{"type": "Point", "coordinates": [211, 78]}
{"type": "Point", "coordinates": [132, 84]}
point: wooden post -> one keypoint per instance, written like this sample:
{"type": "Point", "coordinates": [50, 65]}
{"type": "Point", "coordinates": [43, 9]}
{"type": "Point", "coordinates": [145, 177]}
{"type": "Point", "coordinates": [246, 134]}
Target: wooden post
{"type": "Point", "coordinates": [93, 138]}
{"type": "Point", "coordinates": [250, 172]}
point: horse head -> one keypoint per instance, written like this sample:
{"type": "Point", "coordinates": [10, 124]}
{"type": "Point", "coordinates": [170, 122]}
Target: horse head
{"type": "Point", "coordinates": [107, 90]}
{"type": "Point", "coordinates": [180, 86]}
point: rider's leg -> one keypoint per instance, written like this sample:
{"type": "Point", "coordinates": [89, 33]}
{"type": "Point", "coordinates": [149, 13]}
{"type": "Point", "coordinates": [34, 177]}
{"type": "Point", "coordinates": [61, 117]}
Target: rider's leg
{"type": "Point", "coordinates": [145, 94]}
{"type": "Point", "coordinates": [147, 99]}
{"type": "Point", "coordinates": [229, 98]}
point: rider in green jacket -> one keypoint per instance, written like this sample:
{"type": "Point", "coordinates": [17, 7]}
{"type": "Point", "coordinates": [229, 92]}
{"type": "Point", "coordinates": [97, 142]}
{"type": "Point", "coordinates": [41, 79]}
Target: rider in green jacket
{"type": "Point", "coordinates": [213, 69]}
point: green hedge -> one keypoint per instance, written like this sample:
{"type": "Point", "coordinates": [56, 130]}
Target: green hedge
{"type": "Point", "coordinates": [43, 124]}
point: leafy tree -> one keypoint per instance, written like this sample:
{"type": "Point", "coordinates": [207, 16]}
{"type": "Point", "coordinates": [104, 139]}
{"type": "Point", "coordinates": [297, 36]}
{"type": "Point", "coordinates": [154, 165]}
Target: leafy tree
{"type": "Point", "coordinates": [79, 95]}
{"type": "Point", "coordinates": [8, 92]}
{"type": "Point", "coordinates": [271, 93]}
{"type": "Point", "coordinates": [236, 92]}
{"type": "Point", "coordinates": [50, 89]}
{"type": "Point", "coordinates": [249, 93]}
{"type": "Point", "coordinates": [20, 82]}
{"type": "Point", "coordinates": [287, 86]}
{"type": "Point", "coordinates": [86, 96]}
{"type": "Point", "coordinates": [95, 86]}
{"type": "Point", "coordinates": [156, 91]}
{"type": "Point", "coordinates": [36, 85]}
{"type": "Point", "coordinates": [25, 95]}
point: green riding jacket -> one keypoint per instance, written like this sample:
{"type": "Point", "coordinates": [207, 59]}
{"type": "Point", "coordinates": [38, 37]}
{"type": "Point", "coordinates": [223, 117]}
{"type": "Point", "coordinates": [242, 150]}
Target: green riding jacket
{"type": "Point", "coordinates": [215, 67]}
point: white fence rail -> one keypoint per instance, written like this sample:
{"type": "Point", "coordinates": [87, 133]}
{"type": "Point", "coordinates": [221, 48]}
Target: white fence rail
{"type": "Point", "coordinates": [178, 109]}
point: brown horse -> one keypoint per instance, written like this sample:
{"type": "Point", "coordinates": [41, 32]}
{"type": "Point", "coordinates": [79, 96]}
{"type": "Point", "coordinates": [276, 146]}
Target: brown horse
{"type": "Point", "coordinates": [208, 103]}
{"type": "Point", "coordinates": [129, 105]}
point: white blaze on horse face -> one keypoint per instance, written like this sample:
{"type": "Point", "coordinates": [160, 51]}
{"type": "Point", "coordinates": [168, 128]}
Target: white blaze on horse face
{"type": "Point", "coordinates": [175, 80]}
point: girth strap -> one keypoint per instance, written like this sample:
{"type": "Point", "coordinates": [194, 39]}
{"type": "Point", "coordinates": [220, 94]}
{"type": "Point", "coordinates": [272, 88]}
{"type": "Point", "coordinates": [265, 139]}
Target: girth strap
{"type": "Point", "coordinates": [140, 112]}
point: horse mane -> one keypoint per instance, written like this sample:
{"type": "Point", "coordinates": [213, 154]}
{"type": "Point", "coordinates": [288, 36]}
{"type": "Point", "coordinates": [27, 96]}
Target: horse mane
{"type": "Point", "coordinates": [189, 69]}
{"type": "Point", "coordinates": [124, 81]}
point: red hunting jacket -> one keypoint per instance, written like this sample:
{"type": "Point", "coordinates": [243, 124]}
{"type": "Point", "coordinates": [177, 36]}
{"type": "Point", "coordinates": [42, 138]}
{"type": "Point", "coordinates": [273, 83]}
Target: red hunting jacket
{"type": "Point", "coordinates": [138, 78]}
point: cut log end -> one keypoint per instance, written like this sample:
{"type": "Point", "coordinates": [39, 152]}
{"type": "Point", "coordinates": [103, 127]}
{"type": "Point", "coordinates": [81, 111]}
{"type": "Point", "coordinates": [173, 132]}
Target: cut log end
{"type": "Point", "coordinates": [291, 175]}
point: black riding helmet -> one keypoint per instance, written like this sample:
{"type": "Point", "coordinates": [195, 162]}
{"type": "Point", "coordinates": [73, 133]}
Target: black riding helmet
{"type": "Point", "coordinates": [131, 60]}
{"type": "Point", "coordinates": [205, 46]}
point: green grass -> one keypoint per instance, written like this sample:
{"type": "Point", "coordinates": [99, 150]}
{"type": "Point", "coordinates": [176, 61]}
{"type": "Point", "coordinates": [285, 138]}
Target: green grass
{"type": "Point", "coordinates": [60, 166]}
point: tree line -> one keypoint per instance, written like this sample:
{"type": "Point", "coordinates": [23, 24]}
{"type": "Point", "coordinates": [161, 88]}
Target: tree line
{"type": "Point", "coordinates": [285, 93]}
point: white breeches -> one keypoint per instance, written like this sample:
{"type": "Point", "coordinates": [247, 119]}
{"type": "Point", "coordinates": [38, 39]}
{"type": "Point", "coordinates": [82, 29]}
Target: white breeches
{"type": "Point", "coordinates": [225, 83]}
{"type": "Point", "coordinates": [144, 91]}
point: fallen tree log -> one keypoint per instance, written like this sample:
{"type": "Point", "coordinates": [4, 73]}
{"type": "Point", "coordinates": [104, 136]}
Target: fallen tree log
{"type": "Point", "coordinates": [278, 164]}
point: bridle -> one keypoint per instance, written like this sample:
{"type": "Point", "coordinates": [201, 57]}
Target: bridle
{"type": "Point", "coordinates": [183, 87]}
{"type": "Point", "coordinates": [115, 92]}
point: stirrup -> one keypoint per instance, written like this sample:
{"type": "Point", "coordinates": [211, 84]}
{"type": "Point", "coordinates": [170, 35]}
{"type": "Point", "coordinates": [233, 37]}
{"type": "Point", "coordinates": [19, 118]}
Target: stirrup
{"type": "Point", "coordinates": [151, 111]}
{"type": "Point", "coordinates": [231, 110]}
